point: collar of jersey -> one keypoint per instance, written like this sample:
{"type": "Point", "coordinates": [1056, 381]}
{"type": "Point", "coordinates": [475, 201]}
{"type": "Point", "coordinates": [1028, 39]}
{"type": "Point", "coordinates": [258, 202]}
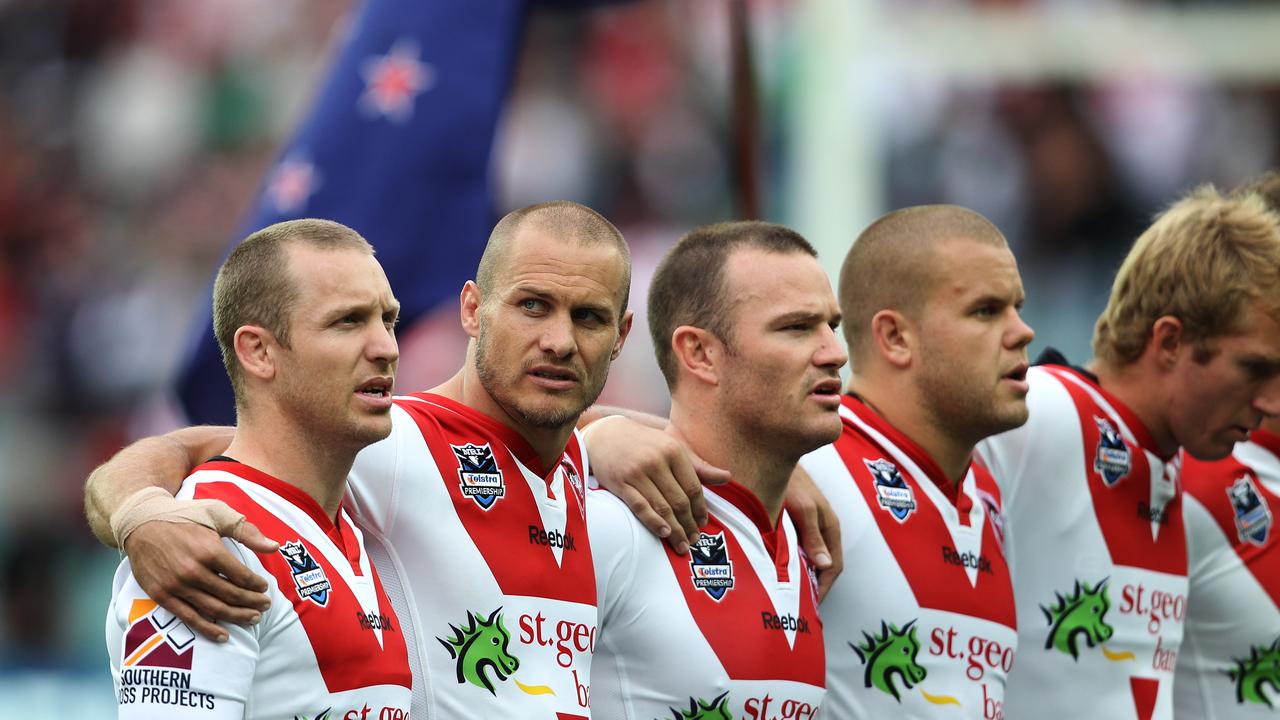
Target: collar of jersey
{"type": "Point", "coordinates": [1130, 418]}
{"type": "Point", "coordinates": [1268, 440]}
{"type": "Point", "coordinates": [514, 441]}
{"type": "Point", "coordinates": [919, 455]}
{"type": "Point", "coordinates": [749, 505]}
{"type": "Point", "coordinates": [289, 492]}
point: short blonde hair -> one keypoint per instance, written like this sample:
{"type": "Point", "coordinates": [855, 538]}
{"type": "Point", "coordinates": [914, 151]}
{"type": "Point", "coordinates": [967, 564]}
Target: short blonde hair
{"type": "Point", "coordinates": [1202, 261]}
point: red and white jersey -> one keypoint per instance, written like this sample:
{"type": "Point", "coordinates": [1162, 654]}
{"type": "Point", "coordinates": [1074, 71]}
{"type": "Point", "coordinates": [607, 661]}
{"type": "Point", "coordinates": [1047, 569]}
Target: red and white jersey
{"type": "Point", "coordinates": [1096, 545]}
{"type": "Point", "coordinates": [729, 631]}
{"type": "Point", "coordinates": [921, 623]}
{"type": "Point", "coordinates": [492, 560]}
{"type": "Point", "coordinates": [330, 645]}
{"type": "Point", "coordinates": [1230, 661]}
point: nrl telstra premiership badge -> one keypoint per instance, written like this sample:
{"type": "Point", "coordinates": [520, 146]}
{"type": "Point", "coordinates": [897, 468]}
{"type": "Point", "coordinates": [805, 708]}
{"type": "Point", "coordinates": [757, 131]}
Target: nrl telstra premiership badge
{"type": "Point", "coordinates": [1112, 461]}
{"type": "Point", "coordinates": [893, 492]}
{"type": "Point", "coordinates": [308, 576]}
{"type": "Point", "coordinates": [710, 565]}
{"type": "Point", "coordinates": [478, 474]}
{"type": "Point", "coordinates": [1253, 517]}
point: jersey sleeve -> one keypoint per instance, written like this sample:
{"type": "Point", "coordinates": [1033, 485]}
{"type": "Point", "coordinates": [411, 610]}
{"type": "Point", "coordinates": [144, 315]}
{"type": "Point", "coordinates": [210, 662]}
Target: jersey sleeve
{"type": "Point", "coordinates": [1008, 454]}
{"type": "Point", "coordinates": [374, 482]}
{"type": "Point", "coordinates": [612, 529]}
{"type": "Point", "coordinates": [162, 670]}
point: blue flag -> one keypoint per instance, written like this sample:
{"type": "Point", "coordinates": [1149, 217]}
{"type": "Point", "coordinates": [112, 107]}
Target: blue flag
{"type": "Point", "coordinates": [396, 146]}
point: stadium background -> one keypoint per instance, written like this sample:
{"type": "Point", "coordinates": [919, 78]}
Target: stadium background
{"type": "Point", "coordinates": [134, 135]}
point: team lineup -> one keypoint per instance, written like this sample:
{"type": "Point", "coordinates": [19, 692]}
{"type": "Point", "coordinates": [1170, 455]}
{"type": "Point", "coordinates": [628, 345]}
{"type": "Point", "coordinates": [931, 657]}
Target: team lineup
{"type": "Point", "coordinates": [957, 531]}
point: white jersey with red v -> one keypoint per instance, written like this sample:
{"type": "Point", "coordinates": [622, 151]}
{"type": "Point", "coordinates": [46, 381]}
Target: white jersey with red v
{"type": "Point", "coordinates": [1230, 661]}
{"type": "Point", "coordinates": [921, 623]}
{"type": "Point", "coordinates": [487, 553]}
{"type": "Point", "coordinates": [730, 630]}
{"type": "Point", "coordinates": [1096, 545]}
{"type": "Point", "coordinates": [330, 645]}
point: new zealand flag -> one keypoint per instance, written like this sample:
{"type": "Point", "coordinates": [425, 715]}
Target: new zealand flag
{"type": "Point", "coordinates": [396, 145]}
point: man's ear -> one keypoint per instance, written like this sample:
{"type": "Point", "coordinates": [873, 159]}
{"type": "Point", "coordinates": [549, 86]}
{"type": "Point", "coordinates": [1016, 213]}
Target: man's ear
{"type": "Point", "coordinates": [254, 347]}
{"type": "Point", "coordinates": [624, 329]}
{"type": "Point", "coordinates": [469, 301]}
{"type": "Point", "coordinates": [1168, 340]}
{"type": "Point", "coordinates": [697, 352]}
{"type": "Point", "coordinates": [893, 337]}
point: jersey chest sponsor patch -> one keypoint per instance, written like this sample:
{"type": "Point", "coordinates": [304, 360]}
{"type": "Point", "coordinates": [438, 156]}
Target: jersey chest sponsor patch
{"type": "Point", "coordinates": [1112, 458]}
{"type": "Point", "coordinates": [478, 475]}
{"type": "Point", "coordinates": [1252, 512]}
{"type": "Point", "coordinates": [308, 577]}
{"type": "Point", "coordinates": [893, 494]}
{"type": "Point", "coordinates": [710, 567]}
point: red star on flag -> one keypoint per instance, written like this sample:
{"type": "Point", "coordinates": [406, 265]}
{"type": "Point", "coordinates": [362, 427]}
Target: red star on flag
{"type": "Point", "coordinates": [292, 183]}
{"type": "Point", "coordinates": [392, 81]}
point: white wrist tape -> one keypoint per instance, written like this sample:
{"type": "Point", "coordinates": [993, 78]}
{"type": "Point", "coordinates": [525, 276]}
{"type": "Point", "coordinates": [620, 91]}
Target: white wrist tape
{"type": "Point", "coordinates": [155, 503]}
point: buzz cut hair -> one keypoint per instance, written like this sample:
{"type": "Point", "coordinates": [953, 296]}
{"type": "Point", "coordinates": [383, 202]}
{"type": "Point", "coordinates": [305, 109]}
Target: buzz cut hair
{"type": "Point", "coordinates": [894, 259]}
{"type": "Point", "coordinates": [562, 219]}
{"type": "Point", "coordinates": [255, 285]}
{"type": "Point", "coordinates": [689, 286]}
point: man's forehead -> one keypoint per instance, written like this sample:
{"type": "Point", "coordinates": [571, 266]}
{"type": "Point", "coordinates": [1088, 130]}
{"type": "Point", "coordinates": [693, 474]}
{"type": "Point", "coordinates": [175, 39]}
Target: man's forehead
{"type": "Point", "coordinates": [781, 282]}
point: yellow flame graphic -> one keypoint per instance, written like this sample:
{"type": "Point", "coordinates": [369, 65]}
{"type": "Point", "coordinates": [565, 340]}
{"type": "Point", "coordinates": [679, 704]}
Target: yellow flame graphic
{"type": "Point", "coordinates": [1117, 657]}
{"type": "Point", "coordinates": [939, 699]}
{"type": "Point", "coordinates": [534, 689]}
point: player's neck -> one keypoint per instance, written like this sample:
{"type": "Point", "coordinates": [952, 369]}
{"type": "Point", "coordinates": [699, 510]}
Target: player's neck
{"type": "Point", "coordinates": [1138, 388]}
{"type": "Point", "coordinates": [901, 408]}
{"type": "Point", "coordinates": [281, 449]}
{"type": "Point", "coordinates": [763, 471]}
{"type": "Point", "coordinates": [547, 443]}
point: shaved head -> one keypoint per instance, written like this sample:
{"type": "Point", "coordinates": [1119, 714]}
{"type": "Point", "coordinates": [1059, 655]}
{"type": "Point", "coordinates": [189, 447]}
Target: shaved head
{"type": "Point", "coordinates": [893, 263]}
{"type": "Point", "coordinates": [562, 219]}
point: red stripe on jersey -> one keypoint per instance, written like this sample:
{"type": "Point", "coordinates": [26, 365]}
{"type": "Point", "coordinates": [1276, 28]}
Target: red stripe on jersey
{"type": "Point", "coordinates": [348, 656]}
{"type": "Point", "coordinates": [735, 628]}
{"type": "Point", "coordinates": [917, 542]}
{"type": "Point", "coordinates": [1119, 507]}
{"type": "Point", "coordinates": [341, 534]}
{"type": "Point", "coordinates": [918, 455]}
{"type": "Point", "coordinates": [501, 533]}
{"type": "Point", "coordinates": [1144, 692]}
{"type": "Point", "coordinates": [775, 539]}
{"type": "Point", "coordinates": [1208, 482]}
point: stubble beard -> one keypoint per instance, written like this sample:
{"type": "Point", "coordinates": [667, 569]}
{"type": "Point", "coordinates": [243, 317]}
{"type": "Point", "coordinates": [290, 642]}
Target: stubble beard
{"type": "Point", "coordinates": [959, 405]}
{"type": "Point", "coordinates": [541, 418]}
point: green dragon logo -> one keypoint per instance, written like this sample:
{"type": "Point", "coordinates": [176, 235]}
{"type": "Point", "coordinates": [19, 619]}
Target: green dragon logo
{"type": "Point", "coordinates": [324, 715]}
{"type": "Point", "coordinates": [1083, 612]}
{"type": "Point", "coordinates": [1262, 667]}
{"type": "Point", "coordinates": [717, 709]}
{"type": "Point", "coordinates": [481, 648]}
{"type": "Point", "coordinates": [891, 652]}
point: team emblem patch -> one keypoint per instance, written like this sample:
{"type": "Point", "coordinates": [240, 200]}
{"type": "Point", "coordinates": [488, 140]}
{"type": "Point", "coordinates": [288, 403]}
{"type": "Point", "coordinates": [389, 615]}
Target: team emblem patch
{"type": "Point", "coordinates": [1112, 460]}
{"type": "Point", "coordinates": [308, 576]}
{"type": "Point", "coordinates": [157, 638]}
{"type": "Point", "coordinates": [575, 482]}
{"type": "Point", "coordinates": [1253, 517]}
{"type": "Point", "coordinates": [478, 474]}
{"type": "Point", "coordinates": [710, 565]}
{"type": "Point", "coordinates": [893, 492]}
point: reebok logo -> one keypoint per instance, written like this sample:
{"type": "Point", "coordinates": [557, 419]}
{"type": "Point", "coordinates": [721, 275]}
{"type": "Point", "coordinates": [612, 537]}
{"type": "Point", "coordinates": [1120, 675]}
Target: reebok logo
{"type": "Point", "coordinates": [555, 538]}
{"type": "Point", "coordinates": [784, 622]}
{"type": "Point", "coordinates": [966, 559]}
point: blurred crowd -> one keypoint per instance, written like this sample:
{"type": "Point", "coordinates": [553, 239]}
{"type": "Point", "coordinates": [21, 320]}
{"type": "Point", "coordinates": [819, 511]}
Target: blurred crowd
{"type": "Point", "coordinates": [135, 133]}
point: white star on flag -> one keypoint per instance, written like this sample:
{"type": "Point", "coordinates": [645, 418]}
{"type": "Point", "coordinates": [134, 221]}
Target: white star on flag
{"type": "Point", "coordinates": [392, 81]}
{"type": "Point", "coordinates": [292, 184]}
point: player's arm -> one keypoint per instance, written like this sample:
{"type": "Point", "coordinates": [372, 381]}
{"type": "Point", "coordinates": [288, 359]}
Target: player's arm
{"type": "Point", "coordinates": [174, 546]}
{"type": "Point", "coordinates": [652, 472]}
{"type": "Point", "coordinates": [817, 527]}
{"type": "Point", "coordinates": [658, 478]}
{"type": "Point", "coordinates": [164, 671]}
